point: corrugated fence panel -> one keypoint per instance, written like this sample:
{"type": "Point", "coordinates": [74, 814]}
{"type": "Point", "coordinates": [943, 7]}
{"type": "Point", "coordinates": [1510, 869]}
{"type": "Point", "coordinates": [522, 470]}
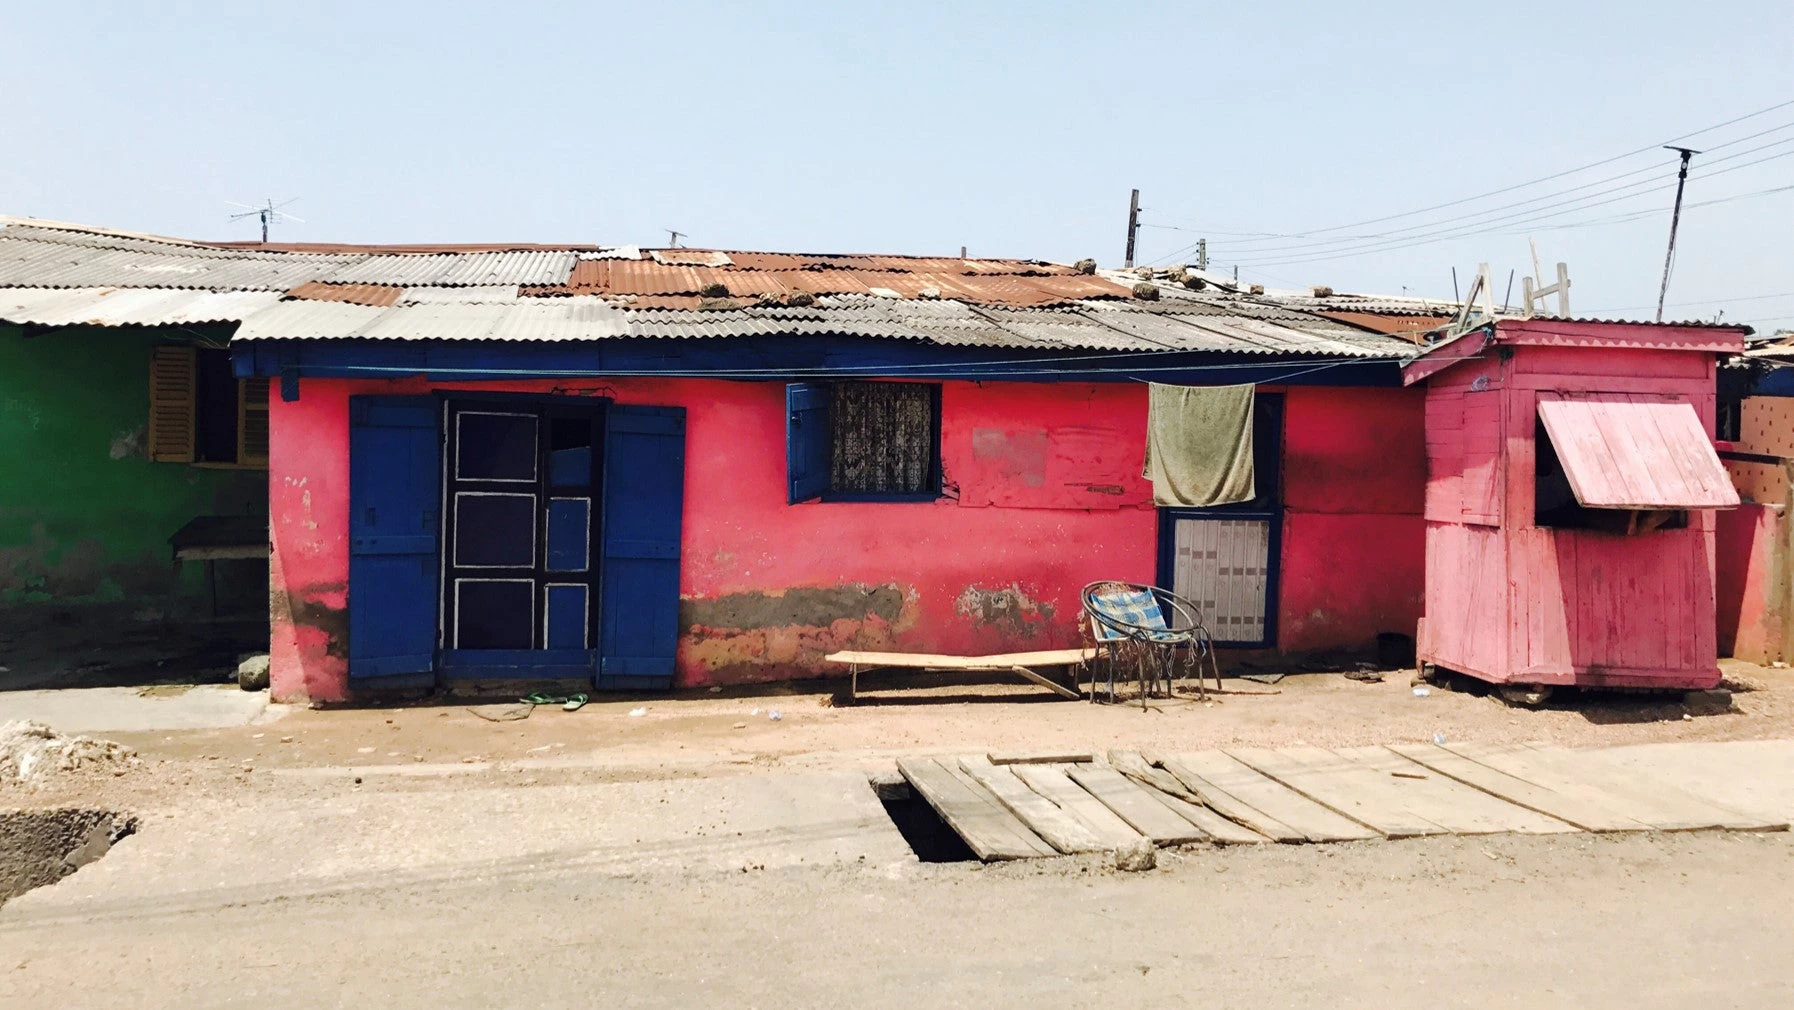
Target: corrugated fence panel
{"type": "Point", "coordinates": [1223, 566]}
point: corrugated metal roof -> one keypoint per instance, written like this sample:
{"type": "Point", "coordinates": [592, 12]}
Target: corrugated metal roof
{"type": "Point", "coordinates": [691, 257]}
{"type": "Point", "coordinates": [33, 263]}
{"type": "Point", "coordinates": [471, 293]}
{"type": "Point", "coordinates": [1103, 326]}
{"type": "Point", "coordinates": [458, 269]}
{"type": "Point", "coordinates": [649, 277]}
{"type": "Point", "coordinates": [128, 306]}
{"type": "Point", "coordinates": [360, 294]}
{"type": "Point", "coordinates": [525, 319]}
{"type": "Point", "coordinates": [590, 293]}
{"type": "Point", "coordinates": [1635, 451]}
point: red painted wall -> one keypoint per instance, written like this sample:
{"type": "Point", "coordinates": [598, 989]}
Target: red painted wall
{"type": "Point", "coordinates": [1049, 497]}
{"type": "Point", "coordinates": [1354, 542]}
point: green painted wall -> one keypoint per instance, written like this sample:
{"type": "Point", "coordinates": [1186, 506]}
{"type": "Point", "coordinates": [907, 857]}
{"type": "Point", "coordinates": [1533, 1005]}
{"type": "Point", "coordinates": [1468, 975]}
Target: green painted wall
{"type": "Point", "coordinates": [84, 515]}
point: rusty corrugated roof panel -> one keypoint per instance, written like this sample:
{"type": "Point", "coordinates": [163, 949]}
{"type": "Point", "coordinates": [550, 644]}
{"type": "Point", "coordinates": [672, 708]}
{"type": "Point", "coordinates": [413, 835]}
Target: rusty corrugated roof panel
{"type": "Point", "coordinates": [648, 277]}
{"type": "Point", "coordinates": [1381, 322]}
{"type": "Point", "coordinates": [360, 294]}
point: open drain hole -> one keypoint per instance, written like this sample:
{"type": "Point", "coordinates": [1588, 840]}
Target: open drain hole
{"type": "Point", "coordinates": [39, 847]}
{"type": "Point", "coordinates": [928, 836]}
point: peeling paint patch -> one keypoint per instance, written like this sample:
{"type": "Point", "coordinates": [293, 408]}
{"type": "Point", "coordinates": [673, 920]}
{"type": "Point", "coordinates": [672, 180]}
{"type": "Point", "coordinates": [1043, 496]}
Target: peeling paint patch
{"type": "Point", "coordinates": [127, 443]}
{"type": "Point", "coordinates": [1007, 608]}
{"type": "Point", "coordinates": [309, 610]}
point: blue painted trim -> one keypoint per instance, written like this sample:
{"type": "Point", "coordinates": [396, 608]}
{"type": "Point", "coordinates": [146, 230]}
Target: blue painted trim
{"type": "Point", "coordinates": [518, 664]}
{"type": "Point", "coordinates": [289, 384]}
{"type": "Point", "coordinates": [389, 667]}
{"type": "Point", "coordinates": [788, 359]}
{"type": "Point", "coordinates": [1274, 563]}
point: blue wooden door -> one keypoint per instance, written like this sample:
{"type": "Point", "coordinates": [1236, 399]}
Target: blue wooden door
{"type": "Point", "coordinates": [643, 499]}
{"type": "Point", "coordinates": [394, 504]}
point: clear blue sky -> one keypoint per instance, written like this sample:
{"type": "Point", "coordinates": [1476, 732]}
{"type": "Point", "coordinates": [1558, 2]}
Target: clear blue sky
{"type": "Point", "coordinates": [1012, 129]}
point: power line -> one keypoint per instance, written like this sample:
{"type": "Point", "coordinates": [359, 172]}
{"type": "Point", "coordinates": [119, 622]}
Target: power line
{"type": "Point", "coordinates": [1548, 178]}
{"type": "Point", "coordinates": [1639, 215]}
{"type": "Point", "coordinates": [1493, 211]}
{"type": "Point", "coordinates": [1480, 228]}
{"type": "Point", "coordinates": [1706, 301]}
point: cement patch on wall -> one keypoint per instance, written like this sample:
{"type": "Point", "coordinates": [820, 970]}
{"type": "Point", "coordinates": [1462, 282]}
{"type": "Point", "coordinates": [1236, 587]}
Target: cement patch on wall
{"type": "Point", "coordinates": [760, 636]}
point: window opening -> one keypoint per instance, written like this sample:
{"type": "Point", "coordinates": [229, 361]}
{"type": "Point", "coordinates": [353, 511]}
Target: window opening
{"type": "Point", "coordinates": [1555, 505]}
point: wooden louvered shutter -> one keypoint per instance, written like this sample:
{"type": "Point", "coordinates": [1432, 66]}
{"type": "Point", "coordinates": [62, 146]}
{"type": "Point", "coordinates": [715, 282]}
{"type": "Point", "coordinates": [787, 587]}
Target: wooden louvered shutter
{"type": "Point", "coordinates": [252, 422]}
{"type": "Point", "coordinates": [173, 386]}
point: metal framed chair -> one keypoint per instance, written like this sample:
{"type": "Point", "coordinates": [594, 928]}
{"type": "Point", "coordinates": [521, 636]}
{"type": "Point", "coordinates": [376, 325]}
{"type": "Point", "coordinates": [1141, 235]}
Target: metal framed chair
{"type": "Point", "coordinates": [1154, 630]}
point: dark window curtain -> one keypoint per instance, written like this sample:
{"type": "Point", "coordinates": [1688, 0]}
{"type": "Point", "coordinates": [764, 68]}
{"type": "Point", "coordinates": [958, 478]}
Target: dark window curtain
{"type": "Point", "coordinates": [216, 408]}
{"type": "Point", "coordinates": [884, 438]}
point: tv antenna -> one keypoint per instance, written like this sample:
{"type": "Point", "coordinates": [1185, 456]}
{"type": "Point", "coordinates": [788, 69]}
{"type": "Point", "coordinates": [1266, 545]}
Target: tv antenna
{"type": "Point", "coordinates": [673, 237]}
{"type": "Point", "coordinates": [269, 211]}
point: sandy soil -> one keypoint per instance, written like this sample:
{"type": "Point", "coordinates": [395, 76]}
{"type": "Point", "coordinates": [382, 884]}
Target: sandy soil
{"type": "Point", "coordinates": [716, 734]}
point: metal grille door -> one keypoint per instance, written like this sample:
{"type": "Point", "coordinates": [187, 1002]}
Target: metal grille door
{"type": "Point", "coordinates": [1224, 567]}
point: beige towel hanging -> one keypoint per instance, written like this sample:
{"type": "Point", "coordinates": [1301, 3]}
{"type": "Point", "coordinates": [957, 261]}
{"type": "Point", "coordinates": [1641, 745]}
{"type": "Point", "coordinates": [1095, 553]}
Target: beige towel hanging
{"type": "Point", "coordinates": [1199, 445]}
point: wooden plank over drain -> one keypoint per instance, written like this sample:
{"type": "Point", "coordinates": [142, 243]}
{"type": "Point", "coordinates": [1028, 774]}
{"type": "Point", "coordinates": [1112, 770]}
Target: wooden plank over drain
{"type": "Point", "coordinates": [989, 830]}
{"type": "Point", "coordinates": [1052, 782]}
{"type": "Point", "coordinates": [1460, 809]}
{"type": "Point", "coordinates": [1044, 817]}
{"type": "Point", "coordinates": [1272, 808]}
{"type": "Point", "coordinates": [1340, 785]}
{"type": "Point", "coordinates": [1131, 803]}
{"type": "Point", "coordinates": [1575, 809]}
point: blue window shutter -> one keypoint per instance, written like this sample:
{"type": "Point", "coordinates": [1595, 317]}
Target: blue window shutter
{"type": "Point", "coordinates": [644, 497]}
{"type": "Point", "coordinates": [395, 498]}
{"type": "Point", "coordinates": [807, 442]}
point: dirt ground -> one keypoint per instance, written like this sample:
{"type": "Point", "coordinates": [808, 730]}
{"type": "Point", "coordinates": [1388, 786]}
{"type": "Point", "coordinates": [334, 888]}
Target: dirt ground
{"type": "Point", "coordinates": [730, 733]}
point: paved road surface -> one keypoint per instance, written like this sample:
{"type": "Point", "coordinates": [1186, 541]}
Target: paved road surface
{"type": "Point", "coordinates": [1636, 923]}
{"type": "Point", "coordinates": [790, 890]}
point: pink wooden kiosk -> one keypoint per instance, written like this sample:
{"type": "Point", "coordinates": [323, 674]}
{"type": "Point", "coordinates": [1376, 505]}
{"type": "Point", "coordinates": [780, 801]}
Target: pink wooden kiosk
{"type": "Point", "coordinates": [1571, 483]}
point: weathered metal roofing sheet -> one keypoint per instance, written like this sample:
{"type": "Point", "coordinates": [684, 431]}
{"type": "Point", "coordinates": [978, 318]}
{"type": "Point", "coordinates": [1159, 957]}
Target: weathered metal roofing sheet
{"type": "Point", "coordinates": [35, 263]}
{"type": "Point", "coordinates": [129, 306]}
{"type": "Point", "coordinates": [690, 257]}
{"type": "Point", "coordinates": [471, 293]}
{"type": "Point", "coordinates": [572, 318]}
{"type": "Point", "coordinates": [459, 269]}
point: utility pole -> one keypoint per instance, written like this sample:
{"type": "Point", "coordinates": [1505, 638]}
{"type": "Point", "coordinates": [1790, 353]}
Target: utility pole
{"type": "Point", "coordinates": [1675, 218]}
{"type": "Point", "coordinates": [1133, 226]}
{"type": "Point", "coordinates": [1202, 254]}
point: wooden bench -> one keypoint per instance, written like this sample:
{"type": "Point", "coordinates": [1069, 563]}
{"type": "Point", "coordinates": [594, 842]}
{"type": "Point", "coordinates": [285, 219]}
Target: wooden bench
{"type": "Point", "coordinates": [1018, 663]}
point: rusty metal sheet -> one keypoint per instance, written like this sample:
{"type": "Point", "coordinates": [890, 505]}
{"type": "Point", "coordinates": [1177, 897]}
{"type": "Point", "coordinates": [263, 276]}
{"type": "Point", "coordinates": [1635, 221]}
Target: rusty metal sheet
{"type": "Point", "coordinates": [360, 294]}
